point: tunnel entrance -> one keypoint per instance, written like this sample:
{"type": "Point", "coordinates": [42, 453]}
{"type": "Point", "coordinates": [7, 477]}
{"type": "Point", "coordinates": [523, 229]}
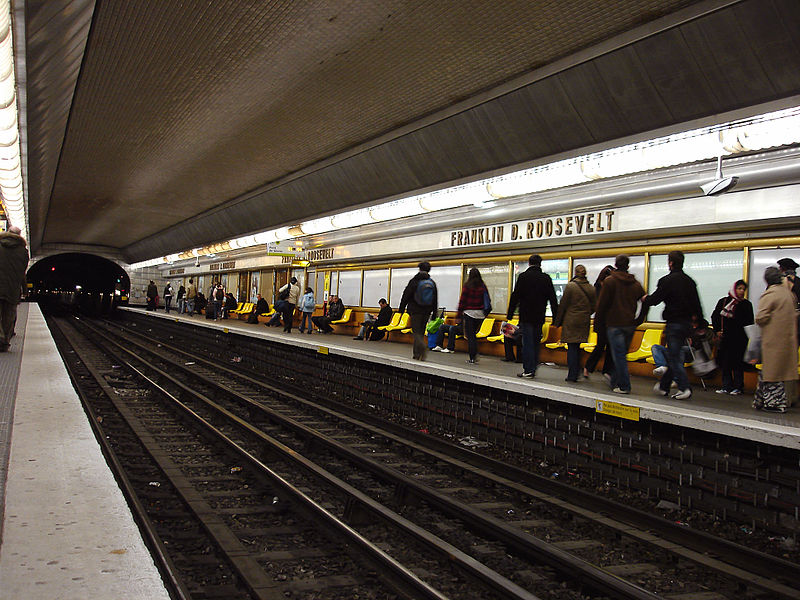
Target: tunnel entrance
{"type": "Point", "coordinates": [79, 279]}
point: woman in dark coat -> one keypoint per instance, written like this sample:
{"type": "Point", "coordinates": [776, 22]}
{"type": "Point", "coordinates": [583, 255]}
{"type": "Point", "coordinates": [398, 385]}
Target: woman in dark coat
{"type": "Point", "coordinates": [574, 316]}
{"type": "Point", "coordinates": [602, 337]}
{"type": "Point", "coordinates": [473, 307]}
{"type": "Point", "coordinates": [730, 316]}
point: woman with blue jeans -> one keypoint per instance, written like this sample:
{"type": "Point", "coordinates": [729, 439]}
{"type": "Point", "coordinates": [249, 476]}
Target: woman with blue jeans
{"type": "Point", "coordinates": [307, 305]}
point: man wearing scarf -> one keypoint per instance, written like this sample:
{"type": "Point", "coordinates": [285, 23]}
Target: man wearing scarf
{"type": "Point", "coordinates": [730, 316]}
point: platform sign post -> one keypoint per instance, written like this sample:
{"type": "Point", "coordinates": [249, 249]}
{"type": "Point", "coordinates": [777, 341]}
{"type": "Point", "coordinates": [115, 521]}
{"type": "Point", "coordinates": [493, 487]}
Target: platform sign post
{"type": "Point", "coordinates": [615, 409]}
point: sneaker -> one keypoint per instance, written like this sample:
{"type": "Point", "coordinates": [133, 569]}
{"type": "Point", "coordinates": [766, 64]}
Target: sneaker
{"type": "Point", "coordinates": [528, 375]}
{"type": "Point", "coordinates": [659, 371]}
{"type": "Point", "coordinates": [358, 337]}
{"type": "Point", "coordinates": [437, 349]}
{"type": "Point", "coordinates": [617, 390]}
{"type": "Point", "coordinates": [736, 392]}
{"type": "Point", "coordinates": [682, 395]}
{"type": "Point", "coordinates": [657, 389]}
{"type": "Point", "coordinates": [447, 351]}
{"type": "Point", "coordinates": [724, 391]}
{"type": "Point", "coordinates": [507, 359]}
{"type": "Point", "coordinates": [471, 361]}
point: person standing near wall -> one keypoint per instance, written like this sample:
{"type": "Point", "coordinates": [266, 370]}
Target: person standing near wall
{"type": "Point", "coordinates": [13, 263]}
{"type": "Point", "coordinates": [191, 296]}
{"type": "Point", "coordinates": [420, 298]}
{"type": "Point", "coordinates": [167, 297]}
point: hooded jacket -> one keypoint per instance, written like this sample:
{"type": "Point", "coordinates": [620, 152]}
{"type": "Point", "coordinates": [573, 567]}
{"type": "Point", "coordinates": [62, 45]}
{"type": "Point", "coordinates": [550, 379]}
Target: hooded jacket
{"type": "Point", "coordinates": [618, 300]}
{"type": "Point", "coordinates": [13, 263]}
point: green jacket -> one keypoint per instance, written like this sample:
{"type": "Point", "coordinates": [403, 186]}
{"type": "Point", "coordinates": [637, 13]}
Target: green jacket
{"type": "Point", "coordinates": [13, 264]}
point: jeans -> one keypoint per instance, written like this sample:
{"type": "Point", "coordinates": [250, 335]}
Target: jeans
{"type": "Point", "coordinates": [531, 338]}
{"type": "Point", "coordinates": [288, 315]}
{"type": "Point", "coordinates": [676, 333]}
{"type": "Point", "coordinates": [418, 323]}
{"type": "Point", "coordinates": [305, 319]}
{"type": "Point", "coordinates": [508, 346]}
{"type": "Point", "coordinates": [471, 327]}
{"type": "Point", "coordinates": [167, 303]}
{"type": "Point", "coordinates": [573, 360]}
{"type": "Point", "coordinates": [600, 349]}
{"type": "Point", "coordinates": [366, 328]}
{"type": "Point", "coordinates": [451, 331]}
{"type": "Point", "coordinates": [181, 305]}
{"type": "Point", "coordinates": [660, 354]}
{"type": "Point", "coordinates": [190, 306]}
{"type": "Point", "coordinates": [619, 340]}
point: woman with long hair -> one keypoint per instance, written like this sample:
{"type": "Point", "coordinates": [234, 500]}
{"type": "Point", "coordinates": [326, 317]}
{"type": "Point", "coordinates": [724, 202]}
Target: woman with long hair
{"type": "Point", "coordinates": [601, 348]}
{"type": "Point", "coordinates": [731, 315]}
{"type": "Point", "coordinates": [473, 306]}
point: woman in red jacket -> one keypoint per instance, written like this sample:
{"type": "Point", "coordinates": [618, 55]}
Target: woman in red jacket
{"type": "Point", "coordinates": [473, 306]}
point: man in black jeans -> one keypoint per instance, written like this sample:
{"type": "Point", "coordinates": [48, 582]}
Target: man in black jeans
{"type": "Point", "coordinates": [421, 299]}
{"type": "Point", "coordinates": [369, 328]}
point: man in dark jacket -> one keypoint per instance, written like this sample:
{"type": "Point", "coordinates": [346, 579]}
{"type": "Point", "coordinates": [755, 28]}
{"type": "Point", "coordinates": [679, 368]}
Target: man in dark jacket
{"type": "Point", "coordinates": [152, 294]}
{"type": "Point", "coordinates": [420, 306]}
{"type": "Point", "coordinates": [334, 312]}
{"type": "Point", "coordinates": [534, 289]}
{"type": "Point", "coordinates": [369, 328]}
{"type": "Point", "coordinates": [616, 307]}
{"type": "Point", "coordinates": [678, 292]}
{"type": "Point", "coordinates": [13, 262]}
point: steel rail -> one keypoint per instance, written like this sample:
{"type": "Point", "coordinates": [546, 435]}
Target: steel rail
{"type": "Point", "coordinates": [527, 545]}
{"type": "Point", "coordinates": [449, 553]}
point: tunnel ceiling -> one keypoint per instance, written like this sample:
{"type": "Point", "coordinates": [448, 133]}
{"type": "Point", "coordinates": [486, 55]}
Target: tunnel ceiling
{"type": "Point", "coordinates": [153, 126]}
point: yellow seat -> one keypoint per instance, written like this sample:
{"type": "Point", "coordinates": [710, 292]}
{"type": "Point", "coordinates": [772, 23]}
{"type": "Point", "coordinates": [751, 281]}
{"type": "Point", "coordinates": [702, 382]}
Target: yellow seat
{"type": "Point", "coordinates": [650, 337]}
{"type": "Point", "coordinates": [244, 308]}
{"type": "Point", "coordinates": [345, 317]}
{"type": "Point", "coordinates": [238, 308]}
{"type": "Point", "coordinates": [552, 345]}
{"type": "Point", "coordinates": [485, 329]}
{"type": "Point", "coordinates": [406, 330]}
{"type": "Point", "coordinates": [401, 324]}
{"type": "Point", "coordinates": [393, 323]}
{"type": "Point", "coordinates": [589, 344]}
{"type": "Point", "coordinates": [268, 314]}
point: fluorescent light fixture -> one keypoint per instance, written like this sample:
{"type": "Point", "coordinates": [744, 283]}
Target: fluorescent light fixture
{"type": "Point", "coordinates": [11, 191]}
{"type": "Point", "coordinates": [769, 130]}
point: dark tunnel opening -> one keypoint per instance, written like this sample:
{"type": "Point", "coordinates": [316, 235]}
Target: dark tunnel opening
{"type": "Point", "coordinates": [81, 279]}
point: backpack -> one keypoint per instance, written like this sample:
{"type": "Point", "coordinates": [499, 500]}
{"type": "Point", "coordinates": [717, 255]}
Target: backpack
{"type": "Point", "coordinates": [424, 292]}
{"type": "Point", "coordinates": [283, 295]}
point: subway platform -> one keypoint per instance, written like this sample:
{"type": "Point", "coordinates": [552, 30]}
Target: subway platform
{"type": "Point", "coordinates": [66, 530]}
{"type": "Point", "coordinates": [706, 411]}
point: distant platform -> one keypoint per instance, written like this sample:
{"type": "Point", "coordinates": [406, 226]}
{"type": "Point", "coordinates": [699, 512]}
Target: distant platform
{"type": "Point", "coordinates": [67, 531]}
{"type": "Point", "coordinates": [705, 411]}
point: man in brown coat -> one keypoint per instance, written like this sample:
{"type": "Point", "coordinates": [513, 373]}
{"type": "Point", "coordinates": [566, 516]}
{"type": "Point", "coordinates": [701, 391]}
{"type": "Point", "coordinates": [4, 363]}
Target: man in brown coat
{"type": "Point", "coordinates": [617, 307]}
{"type": "Point", "coordinates": [13, 263]}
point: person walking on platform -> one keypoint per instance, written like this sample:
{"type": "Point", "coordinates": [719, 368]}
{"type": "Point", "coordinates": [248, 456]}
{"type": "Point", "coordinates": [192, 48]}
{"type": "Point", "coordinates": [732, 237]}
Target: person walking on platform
{"type": "Point", "coordinates": [776, 316]}
{"type": "Point", "coordinates": [532, 292]}
{"type": "Point", "coordinates": [13, 263]}
{"type": "Point", "coordinates": [678, 292]}
{"type": "Point", "coordinates": [474, 306]}
{"type": "Point", "coordinates": [291, 301]}
{"type": "Point", "coordinates": [420, 298]}
{"type": "Point", "coordinates": [601, 348]}
{"type": "Point", "coordinates": [152, 295]}
{"type": "Point", "coordinates": [181, 299]}
{"type": "Point", "coordinates": [616, 307]}
{"type": "Point", "coordinates": [574, 317]}
{"type": "Point", "coordinates": [167, 297]}
{"type": "Point", "coordinates": [731, 315]}
{"type": "Point", "coordinates": [306, 306]}
{"type": "Point", "coordinates": [191, 296]}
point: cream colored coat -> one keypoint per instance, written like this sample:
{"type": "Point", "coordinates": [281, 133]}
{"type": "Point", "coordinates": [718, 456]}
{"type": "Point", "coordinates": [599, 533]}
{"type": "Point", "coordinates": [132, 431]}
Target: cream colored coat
{"type": "Point", "coordinates": [778, 322]}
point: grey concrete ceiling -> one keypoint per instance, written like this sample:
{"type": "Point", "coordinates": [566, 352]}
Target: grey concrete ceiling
{"type": "Point", "coordinates": [154, 126]}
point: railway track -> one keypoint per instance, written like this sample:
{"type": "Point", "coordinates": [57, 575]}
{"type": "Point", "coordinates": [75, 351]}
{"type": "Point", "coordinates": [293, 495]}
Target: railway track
{"type": "Point", "coordinates": [528, 537]}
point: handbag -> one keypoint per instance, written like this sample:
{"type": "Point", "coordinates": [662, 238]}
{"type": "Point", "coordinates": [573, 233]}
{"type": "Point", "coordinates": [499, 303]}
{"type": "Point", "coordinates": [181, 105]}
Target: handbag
{"type": "Point", "coordinates": [434, 325]}
{"type": "Point", "coordinates": [509, 330]}
{"type": "Point", "coordinates": [753, 352]}
{"type": "Point", "coordinates": [487, 302]}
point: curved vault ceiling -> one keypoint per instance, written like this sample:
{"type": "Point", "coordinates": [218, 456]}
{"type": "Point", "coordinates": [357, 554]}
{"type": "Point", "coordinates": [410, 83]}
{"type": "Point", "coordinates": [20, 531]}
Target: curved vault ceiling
{"type": "Point", "coordinates": [153, 126]}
